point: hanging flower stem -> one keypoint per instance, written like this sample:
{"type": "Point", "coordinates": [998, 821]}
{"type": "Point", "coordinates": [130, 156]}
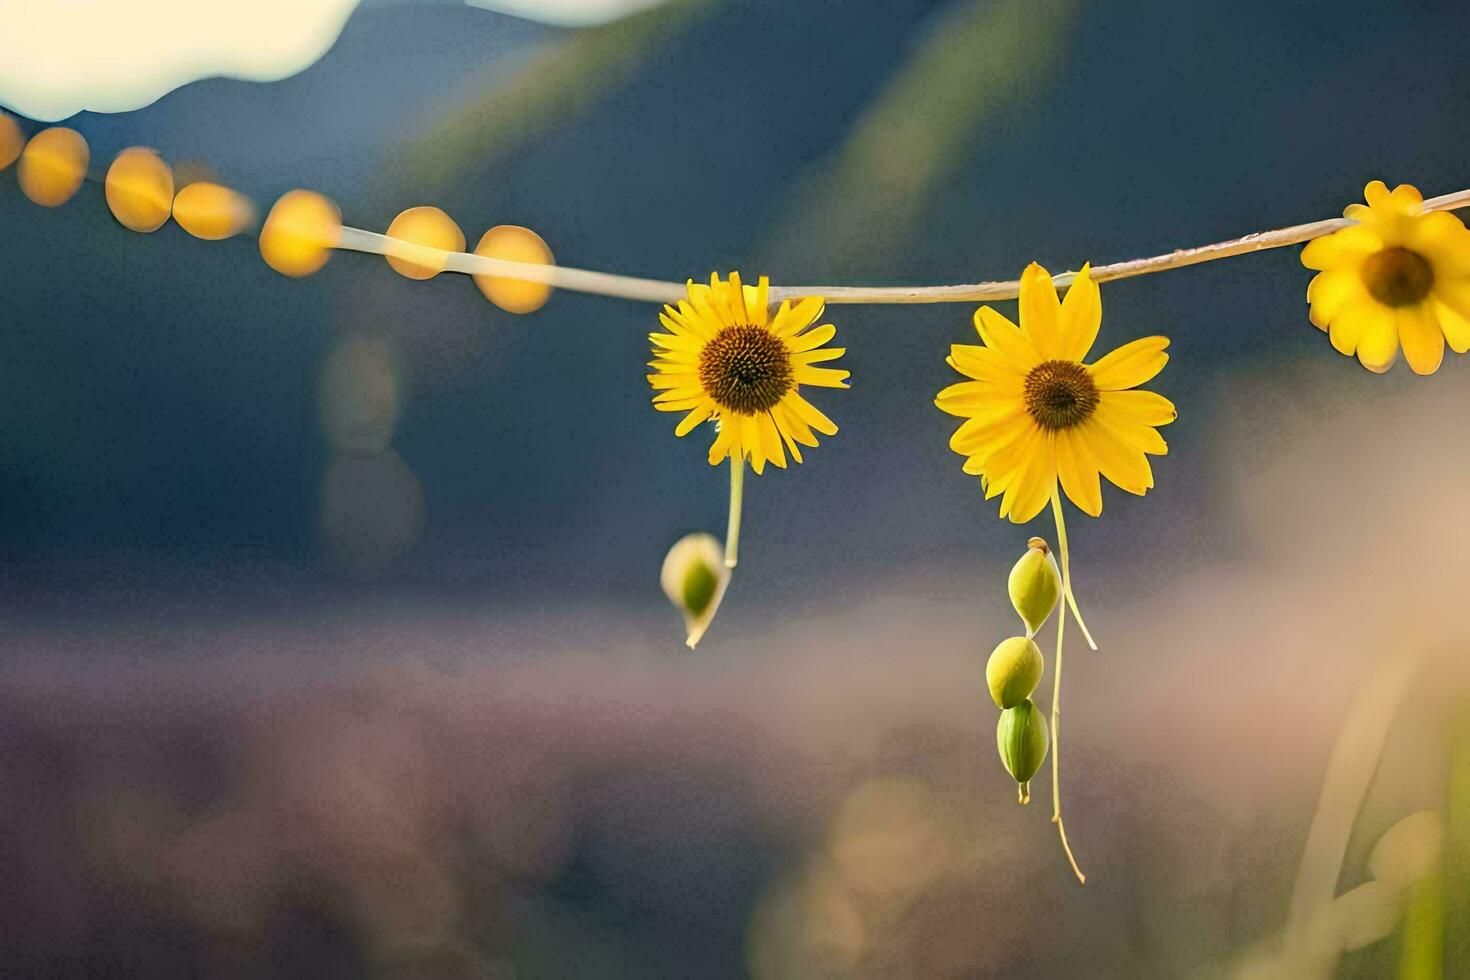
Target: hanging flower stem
{"type": "Point", "coordinates": [1056, 504]}
{"type": "Point", "coordinates": [1056, 691]}
{"type": "Point", "coordinates": [737, 495]}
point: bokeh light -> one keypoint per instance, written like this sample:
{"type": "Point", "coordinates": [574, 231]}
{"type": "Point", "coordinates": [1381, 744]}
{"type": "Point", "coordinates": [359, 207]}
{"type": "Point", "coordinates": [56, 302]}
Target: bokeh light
{"type": "Point", "coordinates": [53, 165]}
{"type": "Point", "coordinates": [299, 233]}
{"type": "Point", "coordinates": [811, 925]}
{"type": "Point", "coordinates": [430, 228]}
{"type": "Point", "coordinates": [885, 839]}
{"type": "Point", "coordinates": [372, 511]}
{"type": "Point", "coordinates": [359, 394]}
{"type": "Point", "coordinates": [514, 244]}
{"type": "Point", "coordinates": [12, 141]}
{"type": "Point", "coordinates": [139, 189]}
{"type": "Point", "coordinates": [212, 212]}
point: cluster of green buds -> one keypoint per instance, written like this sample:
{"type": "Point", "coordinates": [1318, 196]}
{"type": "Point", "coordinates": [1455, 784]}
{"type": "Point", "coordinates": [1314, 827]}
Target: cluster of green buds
{"type": "Point", "coordinates": [1015, 667]}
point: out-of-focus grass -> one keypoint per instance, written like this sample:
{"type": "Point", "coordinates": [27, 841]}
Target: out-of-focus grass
{"type": "Point", "coordinates": [1456, 872]}
{"type": "Point", "coordinates": [864, 203]}
{"type": "Point", "coordinates": [552, 87]}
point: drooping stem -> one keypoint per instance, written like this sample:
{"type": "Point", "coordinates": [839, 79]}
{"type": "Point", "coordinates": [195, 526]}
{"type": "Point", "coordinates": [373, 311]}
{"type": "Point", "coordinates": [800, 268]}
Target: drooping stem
{"type": "Point", "coordinates": [1056, 698]}
{"type": "Point", "coordinates": [661, 291]}
{"type": "Point", "coordinates": [737, 494]}
{"type": "Point", "coordinates": [1056, 508]}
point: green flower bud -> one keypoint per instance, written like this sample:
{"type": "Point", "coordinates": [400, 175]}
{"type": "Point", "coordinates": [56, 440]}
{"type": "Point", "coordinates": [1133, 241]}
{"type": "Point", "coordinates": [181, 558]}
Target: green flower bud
{"type": "Point", "coordinates": [1022, 739]}
{"type": "Point", "coordinates": [694, 577]}
{"type": "Point", "coordinates": [1035, 584]}
{"type": "Point", "coordinates": [1013, 671]}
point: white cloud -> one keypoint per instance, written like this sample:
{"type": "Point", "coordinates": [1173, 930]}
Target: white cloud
{"type": "Point", "coordinates": [568, 12]}
{"type": "Point", "coordinates": [58, 57]}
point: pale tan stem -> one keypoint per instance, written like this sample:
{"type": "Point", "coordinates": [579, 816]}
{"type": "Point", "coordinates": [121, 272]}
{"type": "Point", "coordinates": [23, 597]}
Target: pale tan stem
{"type": "Point", "coordinates": [1056, 697]}
{"type": "Point", "coordinates": [737, 499]}
{"type": "Point", "coordinates": [660, 291]}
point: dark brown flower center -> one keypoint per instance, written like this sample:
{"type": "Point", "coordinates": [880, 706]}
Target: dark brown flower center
{"type": "Point", "coordinates": [1397, 276]}
{"type": "Point", "coordinates": [1059, 394]}
{"type": "Point", "coordinates": [746, 369]}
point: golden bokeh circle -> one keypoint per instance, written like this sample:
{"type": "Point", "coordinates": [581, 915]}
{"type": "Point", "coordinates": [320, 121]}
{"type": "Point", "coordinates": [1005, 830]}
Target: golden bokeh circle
{"type": "Point", "coordinates": [211, 211]}
{"type": "Point", "coordinates": [53, 165]}
{"type": "Point", "coordinates": [514, 244]}
{"type": "Point", "coordinates": [430, 228]}
{"type": "Point", "coordinates": [12, 141]}
{"type": "Point", "coordinates": [139, 189]}
{"type": "Point", "coordinates": [299, 233]}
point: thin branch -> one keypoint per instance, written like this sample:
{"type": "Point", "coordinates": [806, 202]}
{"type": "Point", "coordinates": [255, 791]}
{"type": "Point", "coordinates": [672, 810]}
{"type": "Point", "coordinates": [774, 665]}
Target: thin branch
{"type": "Point", "coordinates": [660, 291]}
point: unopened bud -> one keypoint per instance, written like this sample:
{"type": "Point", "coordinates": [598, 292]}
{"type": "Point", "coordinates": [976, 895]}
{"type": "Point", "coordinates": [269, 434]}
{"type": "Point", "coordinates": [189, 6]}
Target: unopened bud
{"type": "Point", "coordinates": [694, 577]}
{"type": "Point", "coordinates": [1022, 739]}
{"type": "Point", "coordinates": [1013, 671]}
{"type": "Point", "coordinates": [1035, 584]}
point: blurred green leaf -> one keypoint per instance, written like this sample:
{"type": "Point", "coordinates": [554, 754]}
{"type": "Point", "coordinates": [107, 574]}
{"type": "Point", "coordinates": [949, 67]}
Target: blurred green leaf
{"type": "Point", "coordinates": [1456, 855]}
{"type": "Point", "coordinates": [1408, 850]}
{"type": "Point", "coordinates": [863, 205]}
{"type": "Point", "coordinates": [568, 78]}
{"type": "Point", "coordinates": [1422, 955]}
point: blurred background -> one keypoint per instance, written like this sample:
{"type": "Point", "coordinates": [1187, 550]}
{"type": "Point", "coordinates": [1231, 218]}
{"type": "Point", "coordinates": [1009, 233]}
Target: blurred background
{"type": "Point", "coordinates": [332, 637]}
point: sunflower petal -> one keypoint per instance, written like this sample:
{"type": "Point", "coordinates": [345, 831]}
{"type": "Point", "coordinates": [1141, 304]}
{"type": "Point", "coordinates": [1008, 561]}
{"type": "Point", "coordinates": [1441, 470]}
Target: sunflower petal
{"type": "Point", "coordinates": [1344, 247]}
{"type": "Point", "coordinates": [986, 364]}
{"type": "Point", "coordinates": [820, 377]}
{"type": "Point", "coordinates": [819, 355]}
{"type": "Point", "coordinates": [1004, 337]}
{"type": "Point", "coordinates": [973, 399]}
{"type": "Point", "coordinates": [1078, 472]}
{"type": "Point", "coordinates": [1406, 199]}
{"type": "Point", "coordinates": [1441, 236]}
{"type": "Point", "coordinates": [699, 414]}
{"type": "Point", "coordinates": [1329, 292]}
{"type": "Point", "coordinates": [791, 424]}
{"type": "Point", "coordinates": [1041, 312]}
{"type": "Point", "coordinates": [1141, 437]}
{"type": "Point", "coordinates": [1125, 467]}
{"type": "Point", "coordinates": [1455, 325]}
{"type": "Point", "coordinates": [1349, 326]}
{"type": "Point", "coordinates": [724, 443]}
{"type": "Point", "coordinates": [1081, 316]}
{"type": "Point", "coordinates": [786, 426]}
{"type": "Point", "coordinates": [981, 436]}
{"type": "Point", "coordinates": [1422, 338]}
{"type": "Point", "coordinates": [1143, 407]}
{"type": "Point", "coordinates": [812, 339]}
{"type": "Point", "coordinates": [750, 442]}
{"type": "Point", "coordinates": [791, 320]}
{"type": "Point", "coordinates": [770, 439]}
{"type": "Point", "coordinates": [1131, 365]}
{"type": "Point", "coordinates": [757, 302]}
{"type": "Point", "coordinates": [809, 414]}
{"type": "Point", "coordinates": [1035, 484]}
{"type": "Point", "coordinates": [1378, 346]}
{"type": "Point", "coordinates": [1011, 454]}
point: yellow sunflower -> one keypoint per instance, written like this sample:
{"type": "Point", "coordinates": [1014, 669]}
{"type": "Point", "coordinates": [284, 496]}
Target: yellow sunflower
{"type": "Point", "coordinates": [726, 358]}
{"type": "Point", "coordinates": [1034, 413]}
{"type": "Point", "coordinates": [1400, 276]}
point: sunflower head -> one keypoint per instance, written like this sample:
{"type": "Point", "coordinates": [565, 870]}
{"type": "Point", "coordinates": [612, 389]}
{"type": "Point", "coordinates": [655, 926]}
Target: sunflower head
{"type": "Point", "coordinates": [727, 358]}
{"type": "Point", "coordinates": [1036, 415]}
{"type": "Point", "coordinates": [1400, 277]}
